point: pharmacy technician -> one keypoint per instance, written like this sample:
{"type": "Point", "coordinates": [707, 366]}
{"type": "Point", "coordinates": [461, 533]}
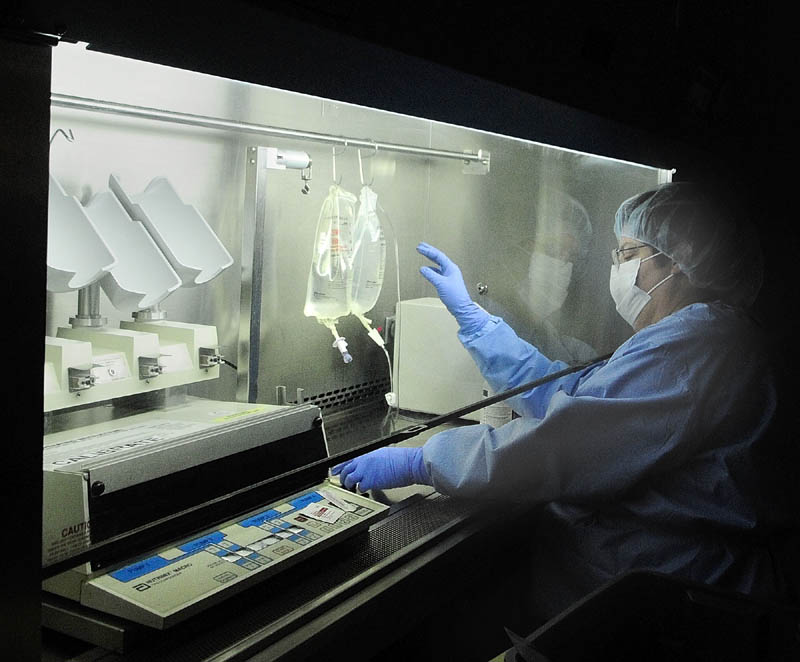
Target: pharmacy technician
{"type": "Point", "coordinates": [643, 461]}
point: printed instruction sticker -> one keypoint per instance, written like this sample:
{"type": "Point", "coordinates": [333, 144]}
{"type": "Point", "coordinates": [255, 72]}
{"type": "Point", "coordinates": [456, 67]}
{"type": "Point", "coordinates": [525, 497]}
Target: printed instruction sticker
{"type": "Point", "coordinates": [123, 438]}
{"type": "Point", "coordinates": [329, 514]}
{"type": "Point", "coordinates": [229, 416]}
{"type": "Point", "coordinates": [336, 501]}
{"type": "Point", "coordinates": [109, 368]}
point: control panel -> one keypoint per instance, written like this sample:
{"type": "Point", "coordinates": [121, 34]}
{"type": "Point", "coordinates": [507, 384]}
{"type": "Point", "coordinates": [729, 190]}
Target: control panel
{"type": "Point", "coordinates": [170, 584]}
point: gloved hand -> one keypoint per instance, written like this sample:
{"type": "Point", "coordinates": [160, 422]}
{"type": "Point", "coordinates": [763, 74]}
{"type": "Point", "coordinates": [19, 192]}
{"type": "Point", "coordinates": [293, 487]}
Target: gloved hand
{"type": "Point", "coordinates": [449, 284]}
{"type": "Point", "coordinates": [383, 469]}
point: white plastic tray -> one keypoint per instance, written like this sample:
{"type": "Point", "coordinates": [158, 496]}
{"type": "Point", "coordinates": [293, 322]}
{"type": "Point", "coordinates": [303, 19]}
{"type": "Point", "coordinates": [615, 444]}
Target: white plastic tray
{"type": "Point", "coordinates": [76, 254]}
{"type": "Point", "coordinates": [182, 234]}
{"type": "Point", "coordinates": [142, 276]}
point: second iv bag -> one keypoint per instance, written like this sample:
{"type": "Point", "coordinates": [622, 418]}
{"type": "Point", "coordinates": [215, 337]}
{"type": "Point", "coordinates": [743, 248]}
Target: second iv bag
{"type": "Point", "coordinates": [369, 265]}
{"type": "Point", "coordinates": [369, 257]}
{"type": "Point", "coordinates": [331, 273]}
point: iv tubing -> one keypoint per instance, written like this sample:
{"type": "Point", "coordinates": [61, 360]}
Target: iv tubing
{"type": "Point", "coordinates": [397, 271]}
{"type": "Point", "coordinates": [339, 342]}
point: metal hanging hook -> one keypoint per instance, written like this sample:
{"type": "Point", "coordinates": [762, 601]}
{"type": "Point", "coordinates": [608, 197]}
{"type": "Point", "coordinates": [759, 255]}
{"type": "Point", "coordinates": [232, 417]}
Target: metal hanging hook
{"type": "Point", "coordinates": [361, 167]}
{"type": "Point", "coordinates": [374, 147]}
{"type": "Point", "coordinates": [69, 137]}
{"type": "Point", "coordinates": [305, 176]}
{"type": "Point", "coordinates": [333, 151]}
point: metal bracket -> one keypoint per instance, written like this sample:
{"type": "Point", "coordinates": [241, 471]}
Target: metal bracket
{"type": "Point", "coordinates": [148, 367]}
{"type": "Point", "coordinates": [281, 159]}
{"type": "Point", "coordinates": [479, 167]}
{"type": "Point", "coordinates": [209, 357]}
{"type": "Point", "coordinates": [280, 395]}
{"type": "Point", "coordinates": [79, 379]}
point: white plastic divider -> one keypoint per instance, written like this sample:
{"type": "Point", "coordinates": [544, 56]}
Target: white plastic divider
{"type": "Point", "coordinates": [77, 255]}
{"type": "Point", "coordinates": [142, 276]}
{"type": "Point", "coordinates": [183, 235]}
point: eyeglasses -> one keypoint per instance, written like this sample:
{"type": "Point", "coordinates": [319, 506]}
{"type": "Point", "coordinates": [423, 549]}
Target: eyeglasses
{"type": "Point", "coordinates": [616, 252]}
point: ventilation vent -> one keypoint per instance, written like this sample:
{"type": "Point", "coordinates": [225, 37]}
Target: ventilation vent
{"type": "Point", "coordinates": [350, 396]}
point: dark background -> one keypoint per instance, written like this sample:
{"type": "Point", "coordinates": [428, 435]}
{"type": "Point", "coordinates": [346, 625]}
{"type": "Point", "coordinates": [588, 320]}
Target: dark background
{"type": "Point", "coordinates": [700, 86]}
{"type": "Point", "coordinates": [703, 73]}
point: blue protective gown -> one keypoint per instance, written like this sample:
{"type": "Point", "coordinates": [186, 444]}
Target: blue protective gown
{"type": "Point", "coordinates": [643, 461]}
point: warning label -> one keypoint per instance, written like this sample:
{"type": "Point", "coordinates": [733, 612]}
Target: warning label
{"type": "Point", "coordinates": [71, 540]}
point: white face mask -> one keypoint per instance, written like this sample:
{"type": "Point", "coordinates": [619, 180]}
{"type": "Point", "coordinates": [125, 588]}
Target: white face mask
{"type": "Point", "coordinates": [629, 298]}
{"type": "Point", "coordinates": [547, 284]}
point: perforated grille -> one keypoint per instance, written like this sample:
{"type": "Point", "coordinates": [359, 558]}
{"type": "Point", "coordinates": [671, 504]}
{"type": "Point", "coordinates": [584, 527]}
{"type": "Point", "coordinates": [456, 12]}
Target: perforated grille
{"type": "Point", "coordinates": [349, 396]}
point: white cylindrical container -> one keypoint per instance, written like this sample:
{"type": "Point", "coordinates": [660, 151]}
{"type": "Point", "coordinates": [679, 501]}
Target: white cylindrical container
{"type": "Point", "coordinates": [497, 414]}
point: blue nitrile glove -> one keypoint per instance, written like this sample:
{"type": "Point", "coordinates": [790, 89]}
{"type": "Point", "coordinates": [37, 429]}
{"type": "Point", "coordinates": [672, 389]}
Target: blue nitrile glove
{"type": "Point", "coordinates": [449, 284]}
{"type": "Point", "coordinates": [383, 469]}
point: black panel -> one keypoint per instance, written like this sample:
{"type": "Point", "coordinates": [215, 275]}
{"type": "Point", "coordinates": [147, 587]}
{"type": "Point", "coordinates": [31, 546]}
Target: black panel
{"type": "Point", "coordinates": [24, 125]}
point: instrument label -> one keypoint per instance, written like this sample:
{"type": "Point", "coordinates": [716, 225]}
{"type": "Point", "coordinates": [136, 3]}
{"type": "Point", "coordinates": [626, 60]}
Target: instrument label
{"type": "Point", "coordinates": [118, 440]}
{"type": "Point", "coordinates": [328, 514]}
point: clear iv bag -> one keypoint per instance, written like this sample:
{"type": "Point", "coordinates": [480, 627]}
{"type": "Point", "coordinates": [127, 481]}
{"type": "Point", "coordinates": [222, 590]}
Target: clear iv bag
{"type": "Point", "coordinates": [331, 273]}
{"type": "Point", "coordinates": [369, 256]}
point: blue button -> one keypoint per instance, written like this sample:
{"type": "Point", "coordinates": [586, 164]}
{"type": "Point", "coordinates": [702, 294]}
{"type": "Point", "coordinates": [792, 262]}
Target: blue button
{"type": "Point", "coordinates": [257, 520]}
{"type": "Point", "coordinates": [143, 567]}
{"type": "Point", "coordinates": [194, 545]}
